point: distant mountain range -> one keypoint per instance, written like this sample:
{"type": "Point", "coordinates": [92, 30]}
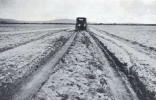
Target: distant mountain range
{"type": "Point", "coordinates": [57, 21]}
{"type": "Point", "coordinates": [8, 21]}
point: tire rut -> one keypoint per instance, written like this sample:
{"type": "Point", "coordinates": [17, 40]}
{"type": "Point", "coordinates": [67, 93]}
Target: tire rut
{"type": "Point", "coordinates": [34, 82]}
{"type": "Point", "coordinates": [138, 86]}
{"type": "Point", "coordinates": [87, 78]}
{"type": "Point", "coordinates": [118, 69]}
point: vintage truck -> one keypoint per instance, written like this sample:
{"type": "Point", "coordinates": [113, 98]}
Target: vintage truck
{"type": "Point", "coordinates": [81, 24]}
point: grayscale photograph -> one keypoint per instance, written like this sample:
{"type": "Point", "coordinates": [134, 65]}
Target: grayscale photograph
{"type": "Point", "coordinates": [77, 49]}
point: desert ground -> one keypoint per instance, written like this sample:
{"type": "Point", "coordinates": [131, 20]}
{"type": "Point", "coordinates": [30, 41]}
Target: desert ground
{"type": "Point", "coordinates": [55, 62]}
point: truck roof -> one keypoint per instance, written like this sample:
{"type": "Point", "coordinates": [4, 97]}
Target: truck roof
{"type": "Point", "coordinates": [81, 18]}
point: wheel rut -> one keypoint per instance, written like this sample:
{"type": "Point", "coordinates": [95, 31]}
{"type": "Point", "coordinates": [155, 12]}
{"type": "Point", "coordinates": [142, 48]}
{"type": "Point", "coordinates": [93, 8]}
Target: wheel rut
{"type": "Point", "coordinates": [86, 72]}
{"type": "Point", "coordinates": [119, 77]}
{"type": "Point", "coordinates": [35, 82]}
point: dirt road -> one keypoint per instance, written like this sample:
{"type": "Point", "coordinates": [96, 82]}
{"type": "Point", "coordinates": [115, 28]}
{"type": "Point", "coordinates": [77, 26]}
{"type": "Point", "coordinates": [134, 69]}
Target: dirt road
{"type": "Point", "coordinates": [83, 73]}
{"type": "Point", "coordinates": [86, 74]}
{"type": "Point", "coordinates": [84, 68]}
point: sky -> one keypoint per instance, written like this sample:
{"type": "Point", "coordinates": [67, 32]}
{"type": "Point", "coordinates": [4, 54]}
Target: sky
{"type": "Point", "coordinates": [104, 11]}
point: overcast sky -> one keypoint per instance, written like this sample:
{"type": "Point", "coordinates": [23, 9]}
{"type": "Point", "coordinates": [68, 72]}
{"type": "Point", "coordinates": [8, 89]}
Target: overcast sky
{"type": "Point", "coordinates": [131, 11]}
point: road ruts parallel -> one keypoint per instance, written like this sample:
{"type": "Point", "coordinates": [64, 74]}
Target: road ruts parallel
{"type": "Point", "coordinates": [86, 72]}
{"type": "Point", "coordinates": [33, 84]}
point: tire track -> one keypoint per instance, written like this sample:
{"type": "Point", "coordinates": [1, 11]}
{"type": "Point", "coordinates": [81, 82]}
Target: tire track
{"type": "Point", "coordinates": [116, 65]}
{"type": "Point", "coordinates": [26, 42]}
{"type": "Point", "coordinates": [12, 82]}
{"type": "Point", "coordinates": [124, 49]}
{"type": "Point", "coordinates": [79, 74]}
{"type": "Point", "coordinates": [93, 81]}
{"type": "Point", "coordinates": [136, 81]}
{"type": "Point", "coordinates": [33, 84]}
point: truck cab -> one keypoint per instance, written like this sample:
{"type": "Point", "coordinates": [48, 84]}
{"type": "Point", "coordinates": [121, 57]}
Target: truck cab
{"type": "Point", "coordinates": [81, 24]}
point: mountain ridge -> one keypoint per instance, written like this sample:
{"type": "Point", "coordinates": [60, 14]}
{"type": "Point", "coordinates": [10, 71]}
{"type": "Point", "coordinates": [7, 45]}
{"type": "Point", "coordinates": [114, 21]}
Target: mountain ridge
{"type": "Point", "coordinates": [56, 21]}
